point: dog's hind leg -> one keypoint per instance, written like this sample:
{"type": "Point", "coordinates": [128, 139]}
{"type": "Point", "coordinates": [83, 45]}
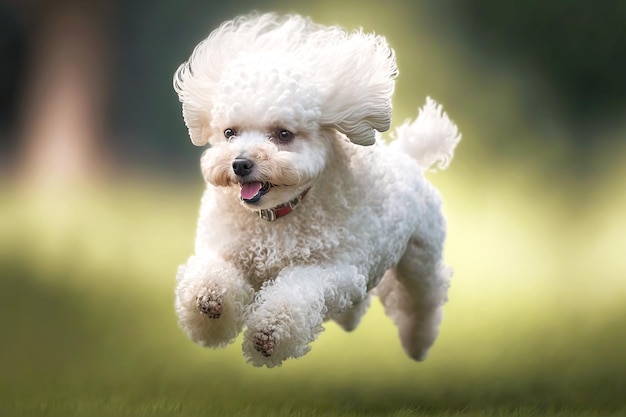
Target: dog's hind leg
{"type": "Point", "coordinates": [414, 292]}
{"type": "Point", "coordinates": [350, 319]}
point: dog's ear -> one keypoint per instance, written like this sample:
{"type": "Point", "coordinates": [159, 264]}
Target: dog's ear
{"type": "Point", "coordinates": [196, 118]}
{"type": "Point", "coordinates": [362, 71]}
{"type": "Point", "coordinates": [197, 124]}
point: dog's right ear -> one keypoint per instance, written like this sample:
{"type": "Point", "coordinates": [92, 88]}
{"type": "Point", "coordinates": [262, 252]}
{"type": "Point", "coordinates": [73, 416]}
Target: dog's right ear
{"type": "Point", "coordinates": [197, 118]}
{"type": "Point", "coordinates": [197, 124]}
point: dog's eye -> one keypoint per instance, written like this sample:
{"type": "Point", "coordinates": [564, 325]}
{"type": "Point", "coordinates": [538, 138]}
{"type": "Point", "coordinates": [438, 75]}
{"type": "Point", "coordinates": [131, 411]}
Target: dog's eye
{"type": "Point", "coordinates": [285, 135]}
{"type": "Point", "coordinates": [228, 133]}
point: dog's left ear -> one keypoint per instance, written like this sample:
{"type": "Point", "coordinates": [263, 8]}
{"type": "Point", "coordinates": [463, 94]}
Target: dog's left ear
{"type": "Point", "coordinates": [362, 71]}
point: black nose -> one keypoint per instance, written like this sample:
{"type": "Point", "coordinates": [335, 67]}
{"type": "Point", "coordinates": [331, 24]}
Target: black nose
{"type": "Point", "coordinates": [242, 166]}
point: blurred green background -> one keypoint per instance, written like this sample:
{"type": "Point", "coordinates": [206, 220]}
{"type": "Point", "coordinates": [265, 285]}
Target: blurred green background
{"type": "Point", "coordinates": [100, 187]}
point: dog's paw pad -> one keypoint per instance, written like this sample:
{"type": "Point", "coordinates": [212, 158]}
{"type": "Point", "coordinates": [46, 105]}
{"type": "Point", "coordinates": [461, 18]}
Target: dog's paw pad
{"type": "Point", "coordinates": [264, 342]}
{"type": "Point", "coordinates": [210, 303]}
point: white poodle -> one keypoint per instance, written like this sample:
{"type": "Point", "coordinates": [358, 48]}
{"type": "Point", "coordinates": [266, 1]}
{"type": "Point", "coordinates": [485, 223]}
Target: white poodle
{"type": "Point", "coordinates": [306, 213]}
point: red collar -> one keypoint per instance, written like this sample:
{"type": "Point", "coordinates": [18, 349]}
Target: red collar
{"type": "Point", "coordinates": [281, 210]}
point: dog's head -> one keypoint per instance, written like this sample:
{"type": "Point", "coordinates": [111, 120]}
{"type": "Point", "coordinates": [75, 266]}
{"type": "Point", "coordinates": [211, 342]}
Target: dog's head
{"type": "Point", "coordinates": [266, 93]}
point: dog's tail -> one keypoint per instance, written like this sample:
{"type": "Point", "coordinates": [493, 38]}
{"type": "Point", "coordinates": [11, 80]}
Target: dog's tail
{"type": "Point", "coordinates": [430, 139]}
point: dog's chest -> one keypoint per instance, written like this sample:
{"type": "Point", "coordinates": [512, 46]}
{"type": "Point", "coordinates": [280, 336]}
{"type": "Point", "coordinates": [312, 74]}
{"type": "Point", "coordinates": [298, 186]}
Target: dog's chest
{"type": "Point", "coordinates": [262, 256]}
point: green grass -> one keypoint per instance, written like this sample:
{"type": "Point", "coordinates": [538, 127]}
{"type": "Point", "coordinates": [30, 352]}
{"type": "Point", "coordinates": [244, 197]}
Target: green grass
{"type": "Point", "coordinates": [88, 327]}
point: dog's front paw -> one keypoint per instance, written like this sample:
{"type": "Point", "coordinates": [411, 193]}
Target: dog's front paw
{"type": "Point", "coordinates": [264, 341]}
{"type": "Point", "coordinates": [209, 302]}
{"type": "Point", "coordinates": [270, 339]}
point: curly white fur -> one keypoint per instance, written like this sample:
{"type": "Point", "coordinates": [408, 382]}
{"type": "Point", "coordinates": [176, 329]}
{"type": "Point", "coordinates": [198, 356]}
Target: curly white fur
{"type": "Point", "coordinates": [284, 105]}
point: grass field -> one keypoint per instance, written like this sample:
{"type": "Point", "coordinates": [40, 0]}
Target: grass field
{"type": "Point", "coordinates": [535, 325]}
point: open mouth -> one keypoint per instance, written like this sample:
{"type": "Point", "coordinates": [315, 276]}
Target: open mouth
{"type": "Point", "coordinates": [251, 192]}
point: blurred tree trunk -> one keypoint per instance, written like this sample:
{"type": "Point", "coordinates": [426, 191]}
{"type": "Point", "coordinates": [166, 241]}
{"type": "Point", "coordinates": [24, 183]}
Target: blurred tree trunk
{"type": "Point", "coordinates": [63, 113]}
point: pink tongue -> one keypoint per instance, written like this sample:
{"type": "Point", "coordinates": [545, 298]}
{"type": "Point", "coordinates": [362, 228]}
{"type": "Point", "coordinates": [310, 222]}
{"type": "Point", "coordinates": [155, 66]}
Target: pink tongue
{"type": "Point", "coordinates": [250, 189]}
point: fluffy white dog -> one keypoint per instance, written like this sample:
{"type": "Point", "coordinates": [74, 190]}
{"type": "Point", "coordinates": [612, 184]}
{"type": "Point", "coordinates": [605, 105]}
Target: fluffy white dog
{"type": "Point", "coordinates": [306, 212]}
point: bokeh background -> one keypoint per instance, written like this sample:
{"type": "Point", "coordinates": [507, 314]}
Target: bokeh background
{"type": "Point", "coordinates": [100, 187]}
